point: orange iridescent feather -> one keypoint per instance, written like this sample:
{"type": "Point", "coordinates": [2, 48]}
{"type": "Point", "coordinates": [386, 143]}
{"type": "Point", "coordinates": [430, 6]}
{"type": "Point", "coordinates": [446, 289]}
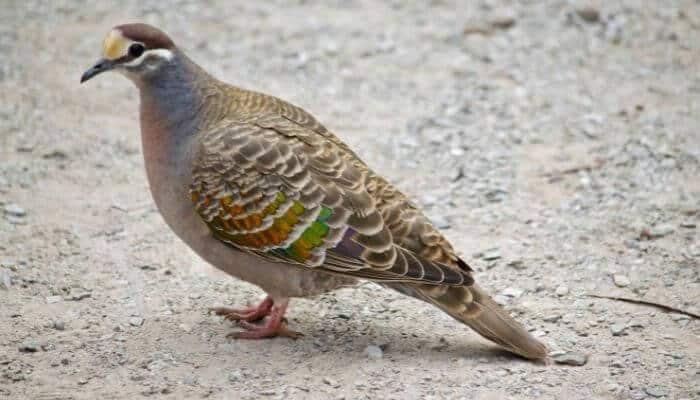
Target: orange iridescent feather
{"type": "Point", "coordinates": [229, 219]}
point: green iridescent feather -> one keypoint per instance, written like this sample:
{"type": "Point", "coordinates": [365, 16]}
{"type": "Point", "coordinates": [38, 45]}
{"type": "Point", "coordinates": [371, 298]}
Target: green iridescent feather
{"type": "Point", "coordinates": [312, 237]}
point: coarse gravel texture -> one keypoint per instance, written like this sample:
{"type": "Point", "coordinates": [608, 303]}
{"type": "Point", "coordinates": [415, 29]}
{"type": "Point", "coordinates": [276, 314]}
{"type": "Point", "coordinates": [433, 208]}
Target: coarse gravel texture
{"type": "Point", "coordinates": [556, 143]}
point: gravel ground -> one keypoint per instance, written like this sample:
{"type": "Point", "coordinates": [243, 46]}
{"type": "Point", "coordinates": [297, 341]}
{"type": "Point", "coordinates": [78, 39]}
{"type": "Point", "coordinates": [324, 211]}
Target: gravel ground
{"type": "Point", "coordinates": [556, 144]}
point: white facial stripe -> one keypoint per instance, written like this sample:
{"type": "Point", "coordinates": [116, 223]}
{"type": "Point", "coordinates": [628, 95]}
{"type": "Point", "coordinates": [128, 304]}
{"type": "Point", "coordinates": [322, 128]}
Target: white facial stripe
{"type": "Point", "coordinates": [160, 53]}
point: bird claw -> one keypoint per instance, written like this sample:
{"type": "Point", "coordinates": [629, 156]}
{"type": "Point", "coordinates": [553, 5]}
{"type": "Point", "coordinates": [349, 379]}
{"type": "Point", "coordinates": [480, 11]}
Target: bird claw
{"type": "Point", "coordinates": [250, 314]}
{"type": "Point", "coordinates": [275, 326]}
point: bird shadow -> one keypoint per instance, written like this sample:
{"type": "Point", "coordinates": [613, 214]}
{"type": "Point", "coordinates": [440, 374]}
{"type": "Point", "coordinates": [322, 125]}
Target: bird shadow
{"type": "Point", "coordinates": [349, 339]}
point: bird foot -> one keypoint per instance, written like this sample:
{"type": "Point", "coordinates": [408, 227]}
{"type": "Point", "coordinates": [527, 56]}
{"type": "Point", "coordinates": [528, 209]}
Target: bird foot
{"type": "Point", "coordinates": [273, 327]}
{"type": "Point", "coordinates": [250, 314]}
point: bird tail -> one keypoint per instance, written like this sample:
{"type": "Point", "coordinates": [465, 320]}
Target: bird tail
{"type": "Point", "coordinates": [472, 306]}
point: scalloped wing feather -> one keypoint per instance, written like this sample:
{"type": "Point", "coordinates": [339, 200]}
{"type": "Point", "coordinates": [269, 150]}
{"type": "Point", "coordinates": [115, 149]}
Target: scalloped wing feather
{"type": "Point", "coordinates": [277, 188]}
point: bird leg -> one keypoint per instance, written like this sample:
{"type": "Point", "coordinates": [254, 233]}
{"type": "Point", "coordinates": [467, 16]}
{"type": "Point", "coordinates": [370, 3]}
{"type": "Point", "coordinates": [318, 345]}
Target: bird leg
{"type": "Point", "coordinates": [249, 314]}
{"type": "Point", "coordinates": [271, 328]}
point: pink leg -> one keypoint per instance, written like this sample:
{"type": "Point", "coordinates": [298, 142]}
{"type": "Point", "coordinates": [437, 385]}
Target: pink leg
{"type": "Point", "coordinates": [250, 314]}
{"type": "Point", "coordinates": [272, 327]}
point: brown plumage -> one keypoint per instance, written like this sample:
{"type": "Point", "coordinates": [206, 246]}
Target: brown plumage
{"type": "Point", "coordinates": [285, 203]}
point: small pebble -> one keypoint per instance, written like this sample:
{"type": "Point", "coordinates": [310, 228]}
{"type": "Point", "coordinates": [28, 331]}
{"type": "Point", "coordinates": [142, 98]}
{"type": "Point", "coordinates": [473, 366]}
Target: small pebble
{"type": "Point", "coordinates": [14, 210]}
{"type": "Point", "coordinates": [501, 299]}
{"type": "Point", "coordinates": [235, 376]}
{"type": "Point", "coordinates": [505, 19]}
{"type": "Point", "coordinates": [29, 346]}
{"type": "Point", "coordinates": [491, 254]}
{"type": "Point", "coordinates": [5, 279]}
{"type": "Point", "coordinates": [330, 382]}
{"type": "Point", "coordinates": [135, 321]}
{"type": "Point", "coordinates": [621, 280]}
{"type": "Point", "coordinates": [373, 351]}
{"type": "Point", "coordinates": [655, 391]}
{"type": "Point", "coordinates": [617, 329]}
{"type": "Point", "coordinates": [572, 358]}
{"type": "Point", "coordinates": [562, 291]}
{"type": "Point", "coordinates": [513, 292]}
{"type": "Point", "coordinates": [551, 318]}
{"type": "Point", "coordinates": [80, 296]}
{"type": "Point", "coordinates": [588, 14]}
{"type": "Point", "coordinates": [688, 224]}
{"type": "Point", "coordinates": [440, 222]}
{"type": "Point", "coordinates": [59, 325]}
{"type": "Point", "coordinates": [517, 264]}
{"type": "Point", "coordinates": [656, 232]}
{"type": "Point", "coordinates": [54, 299]}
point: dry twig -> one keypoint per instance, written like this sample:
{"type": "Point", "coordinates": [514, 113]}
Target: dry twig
{"type": "Point", "coordinates": [647, 303]}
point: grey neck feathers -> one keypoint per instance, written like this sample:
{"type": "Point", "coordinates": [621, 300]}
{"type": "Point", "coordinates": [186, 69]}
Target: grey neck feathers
{"type": "Point", "coordinates": [173, 95]}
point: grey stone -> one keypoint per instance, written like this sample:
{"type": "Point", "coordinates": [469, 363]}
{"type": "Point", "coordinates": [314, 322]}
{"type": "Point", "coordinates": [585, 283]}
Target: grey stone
{"type": "Point", "coordinates": [58, 325]}
{"type": "Point", "coordinates": [551, 318]}
{"type": "Point", "coordinates": [660, 231]}
{"type": "Point", "coordinates": [235, 376]}
{"type": "Point", "coordinates": [513, 292]}
{"type": "Point", "coordinates": [689, 224]}
{"type": "Point", "coordinates": [14, 210]}
{"type": "Point", "coordinates": [491, 254]}
{"type": "Point", "coordinates": [588, 14]}
{"type": "Point", "coordinates": [29, 346]}
{"type": "Point", "coordinates": [635, 323]}
{"type": "Point", "coordinates": [374, 351]}
{"type": "Point", "coordinates": [135, 321]}
{"type": "Point", "coordinates": [80, 296]}
{"type": "Point", "coordinates": [637, 395]}
{"type": "Point", "coordinates": [5, 279]}
{"type": "Point", "coordinates": [679, 317]}
{"type": "Point", "coordinates": [562, 290]}
{"type": "Point", "coordinates": [621, 280]}
{"type": "Point", "coordinates": [330, 382]}
{"type": "Point", "coordinates": [440, 222]}
{"type": "Point", "coordinates": [571, 358]}
{"type": "Point", "coordinates": [505, 19]}
{"type": "Point", "coordinates": [655, 391]}
{"type": "Point", "coordinates": [617, 329]}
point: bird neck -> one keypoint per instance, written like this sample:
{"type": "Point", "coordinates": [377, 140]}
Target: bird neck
{"type": "Point", "coordinates": [172, 113]}
{"type": "Point", "coordinates": [172, 96]}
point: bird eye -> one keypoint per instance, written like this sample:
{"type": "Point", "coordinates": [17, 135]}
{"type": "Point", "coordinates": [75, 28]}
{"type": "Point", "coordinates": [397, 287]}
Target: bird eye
{"type": "Point", "coordinates": [136, 49]}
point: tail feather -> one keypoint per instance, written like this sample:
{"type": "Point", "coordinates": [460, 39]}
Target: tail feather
{"type": "Point", "coordinates": [494, 323]}
{"type": "Point", "coordinates": [472, 306]}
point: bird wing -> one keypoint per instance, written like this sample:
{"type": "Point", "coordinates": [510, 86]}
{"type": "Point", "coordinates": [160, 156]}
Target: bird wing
{"type": "Point", "coordinates": [293, 192]}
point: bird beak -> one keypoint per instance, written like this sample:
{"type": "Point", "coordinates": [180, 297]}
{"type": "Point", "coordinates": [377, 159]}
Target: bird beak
{"type": "Point", "coordinates": [100, 67]}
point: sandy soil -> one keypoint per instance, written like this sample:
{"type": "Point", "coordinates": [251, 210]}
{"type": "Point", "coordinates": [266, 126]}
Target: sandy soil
{"type": "Point", "coordinates": [557, 146]}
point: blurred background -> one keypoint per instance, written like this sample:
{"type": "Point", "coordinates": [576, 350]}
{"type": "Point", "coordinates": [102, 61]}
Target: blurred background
{"type": "Point", "coordinates": [556, 144]}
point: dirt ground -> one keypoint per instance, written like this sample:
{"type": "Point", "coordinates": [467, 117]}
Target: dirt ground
{"type": "Point", "coordinates": [557, 145]}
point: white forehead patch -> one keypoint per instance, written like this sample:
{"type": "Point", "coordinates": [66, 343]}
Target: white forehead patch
{"type": "Point", "coordinates": [164, 54]}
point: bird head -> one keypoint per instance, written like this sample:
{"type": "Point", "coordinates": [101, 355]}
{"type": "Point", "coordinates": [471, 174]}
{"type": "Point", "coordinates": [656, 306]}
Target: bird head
{"type": "Point", "coordinates": [133, 49]}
